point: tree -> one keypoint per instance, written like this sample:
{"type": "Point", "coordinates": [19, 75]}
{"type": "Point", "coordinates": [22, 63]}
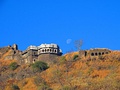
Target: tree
{"type": "Point", "coordinates": [78, 44]}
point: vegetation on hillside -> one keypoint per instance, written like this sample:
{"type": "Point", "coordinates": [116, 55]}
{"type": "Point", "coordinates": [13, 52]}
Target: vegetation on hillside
{"type": "Point", "coordinates": [39, 66]}
{"type": "Point", "coordinates": [70, 72]}
{"type": "Point", "coordinates": [13, 65]}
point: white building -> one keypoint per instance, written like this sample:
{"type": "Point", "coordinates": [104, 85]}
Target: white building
{"type": "Point", "coordinates": [33, 52]}
{"type": "Point", "coordinates": [49, 49]}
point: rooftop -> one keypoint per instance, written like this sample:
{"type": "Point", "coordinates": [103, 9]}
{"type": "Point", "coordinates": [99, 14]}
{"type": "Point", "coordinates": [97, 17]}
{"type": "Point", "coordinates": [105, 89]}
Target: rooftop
{"type": "Point", "coordinates": [52, 45]}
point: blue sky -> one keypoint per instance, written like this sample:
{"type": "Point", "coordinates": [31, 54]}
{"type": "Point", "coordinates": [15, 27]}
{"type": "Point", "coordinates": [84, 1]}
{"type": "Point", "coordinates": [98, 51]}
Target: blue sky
{"type": "Point", "coordinates": [33, 22]}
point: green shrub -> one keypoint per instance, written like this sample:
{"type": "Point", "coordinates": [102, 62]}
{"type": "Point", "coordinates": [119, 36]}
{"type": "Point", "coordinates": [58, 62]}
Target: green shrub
{"type": "Point", "coordinates": [75, 56]}
{"type": "Point", "coordinates": [39, 66]}
{"type": "Point", "coordinates": [15, 87]}
{"type": "Point", "coordinates": [13, 65]}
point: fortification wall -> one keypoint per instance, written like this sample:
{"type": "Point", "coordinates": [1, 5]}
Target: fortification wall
{"type": "Point", "coordinates": [49, 58]}
{"type": "Point", "coordinates": [94, 52]}
{"type": "Point", "coordinates": [98, 52]}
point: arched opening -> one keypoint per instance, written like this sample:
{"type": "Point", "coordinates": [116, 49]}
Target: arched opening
{"type": "Point", "coordinates": [14, 52]}
{"type": "Point", "coordinates": [47, 50]}
{"type": "Point", "coordinates": [55, 50]}
{"type": "Point", "coordinates": [96, 54]}
{"type": "Point", "coordinates": [92, 54]}
{"type": "Point", "coordinates": [42, 50]}
{"type": "Point", "coordinates": [99, 53]}
{"type": "Point", "coordinates": [102, 53]}
{"type": "Point", "coordinates": [86, 53]}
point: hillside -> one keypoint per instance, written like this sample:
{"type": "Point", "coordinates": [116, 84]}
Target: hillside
{"type": "Point", "coordinates": [69, 72]}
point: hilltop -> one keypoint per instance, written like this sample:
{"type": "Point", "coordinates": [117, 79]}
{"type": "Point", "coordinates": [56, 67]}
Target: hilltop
{"type": "Point", "coordinates": [67, 72]}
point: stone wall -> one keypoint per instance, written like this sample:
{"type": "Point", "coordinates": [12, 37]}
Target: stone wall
{"type": "Point", "coordinates": [82, 53]}
{"type": "Point", "coordinates": [98, 52]}
{"type": "Point", "coordinates": [11, 53]}
{"type": "Point", "coordinates": [94, 52]}
{"type": "Point", "coordinates": [30, 56]}
{"type": "Point", "coordinates": [49, 58]}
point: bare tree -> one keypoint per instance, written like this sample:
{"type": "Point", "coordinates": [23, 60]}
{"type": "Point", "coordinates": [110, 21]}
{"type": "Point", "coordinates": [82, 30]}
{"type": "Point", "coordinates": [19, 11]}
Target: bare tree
{"type": "Point", "coordinates": [78, 44]}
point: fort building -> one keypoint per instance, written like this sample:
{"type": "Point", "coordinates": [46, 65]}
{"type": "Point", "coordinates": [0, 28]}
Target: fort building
{"type": "Point", "coordinates": [50, 49]}
{"type": "Point", "coordinates": [33, 53]}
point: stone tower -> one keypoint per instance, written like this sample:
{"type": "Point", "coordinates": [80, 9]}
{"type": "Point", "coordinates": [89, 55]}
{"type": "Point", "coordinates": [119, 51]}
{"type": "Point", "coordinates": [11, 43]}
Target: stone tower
{"type": "Point", "coordinates": [31, 54]}
{"type": "Point", "coordinates": [15, 46]}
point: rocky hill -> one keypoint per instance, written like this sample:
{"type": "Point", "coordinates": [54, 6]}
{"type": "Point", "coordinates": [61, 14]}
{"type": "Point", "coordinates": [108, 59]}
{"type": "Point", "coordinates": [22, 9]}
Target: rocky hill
{"type": "Point", "coordinates": [67, 72]}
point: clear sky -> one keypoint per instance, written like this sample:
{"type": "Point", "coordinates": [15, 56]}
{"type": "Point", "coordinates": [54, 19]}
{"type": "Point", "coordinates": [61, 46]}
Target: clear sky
{"type": "Point", "coordinates": [33, 22]}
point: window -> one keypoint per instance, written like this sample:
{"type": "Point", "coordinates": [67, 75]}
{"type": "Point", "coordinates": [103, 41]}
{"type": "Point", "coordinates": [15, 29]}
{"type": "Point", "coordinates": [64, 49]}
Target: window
{"type": "Point", "coordinates": [92, 54]}
{"type": "Point", "coordinates": [55, 50]}
{"type": "Point", "coordinates": [96, 54]}
{"type": "Point", "coordinates": [42, 50]}
{"type": "Point", "coordinates": [99, 53]}
{"type": "Point", "coordinates": [102, 53]}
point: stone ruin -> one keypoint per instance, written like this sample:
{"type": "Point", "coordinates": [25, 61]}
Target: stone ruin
{"type": "Point", "coordinates": [95, 52]}
{"type": "Point", "coordinates": [12, 53]}
{"type": "Point", "coordinates": [44, 52]}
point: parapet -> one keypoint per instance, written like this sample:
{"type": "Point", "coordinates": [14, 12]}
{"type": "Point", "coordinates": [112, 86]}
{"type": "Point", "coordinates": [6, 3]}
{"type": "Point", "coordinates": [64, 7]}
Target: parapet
{"type": "Point", "coordinates": [99, 49]}
{"type": "Point", "coordinates": [31, 47]}
{"type": "Point", "coordinates": [52, 45]}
